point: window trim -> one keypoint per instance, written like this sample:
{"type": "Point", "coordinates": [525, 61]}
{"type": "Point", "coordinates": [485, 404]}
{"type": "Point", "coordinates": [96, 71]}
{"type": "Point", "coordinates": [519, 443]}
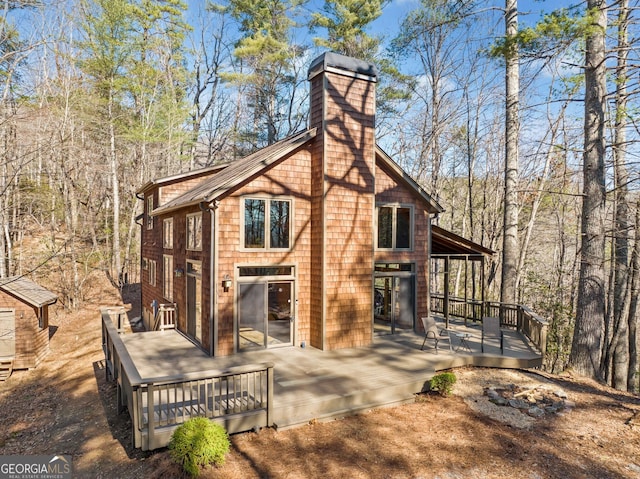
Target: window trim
{"type": "Point", "coordinates": [167, 277]}
{"type": "Point", "coordinates": [149, 210]}
{"type": "Point", "coordinates": [193, 245]}
{"type": "Point", "coordinates": [167, 240]}
{"type": "Point", "coordinates": [267, 222]}
{"type": "Point", "coordinates": [153, 272]}
{"type": "Point", "coordinates": [394, 219]}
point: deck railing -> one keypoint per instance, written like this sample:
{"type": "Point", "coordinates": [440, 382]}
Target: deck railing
{"type": "Point", "coordinates": [515, 316]}
{"type": "Point", "coordinates": [239, 398]}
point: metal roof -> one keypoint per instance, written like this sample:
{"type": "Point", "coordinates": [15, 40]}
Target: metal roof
{"type": "Point", "coordinates": [27, 291]}
{"type": "Point", "coordinates": [180, 176]}
{"type": "Point", "coordinates": [446, 243]}
{"type": "Point", "coordinates": [237, 172]}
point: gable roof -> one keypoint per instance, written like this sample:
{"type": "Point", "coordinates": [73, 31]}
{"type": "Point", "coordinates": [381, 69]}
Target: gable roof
{"type": "Point", "coordinates": [180, 176]}
{"type": "Point", "coordinates": [403, 176]}
{"type": "Point", "coordinates": [27, 291]}
{"type": "Point", "coordinates": [237, 172]}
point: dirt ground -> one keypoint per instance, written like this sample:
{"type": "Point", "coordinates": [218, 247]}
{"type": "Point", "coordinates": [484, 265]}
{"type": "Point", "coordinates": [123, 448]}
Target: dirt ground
{"type": "Point", "coordinates": [65, 406]}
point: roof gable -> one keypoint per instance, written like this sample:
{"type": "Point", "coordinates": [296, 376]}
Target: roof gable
{"type": "Point", "coordinates": [27, 291]}
{"type": "Point", "coordinates": [403, 176]}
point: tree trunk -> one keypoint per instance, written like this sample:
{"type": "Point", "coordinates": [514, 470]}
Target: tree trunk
{"type": "Point", "coordinates": [620, 338]}
{"type": "Point", "coordinates": [510, 227]}
{"type": "Point", "coordinates": [586, 350]}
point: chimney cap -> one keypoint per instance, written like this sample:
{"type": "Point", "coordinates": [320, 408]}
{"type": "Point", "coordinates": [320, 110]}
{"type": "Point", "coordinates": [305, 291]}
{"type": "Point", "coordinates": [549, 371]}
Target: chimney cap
{"type": "Point", "coordinates": [330, 61]}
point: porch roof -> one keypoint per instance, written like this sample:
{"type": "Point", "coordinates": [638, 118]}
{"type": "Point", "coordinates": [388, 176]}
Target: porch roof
{"type": "Point", "coordinates": [27, 291]}
{"type": "Point", "coordinates": [447, 243]}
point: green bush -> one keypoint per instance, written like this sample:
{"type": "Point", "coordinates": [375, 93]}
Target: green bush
{"type": "Point", "coordinates": [442, 383]}
{"type": "Point", "coordinates": [199, 442]}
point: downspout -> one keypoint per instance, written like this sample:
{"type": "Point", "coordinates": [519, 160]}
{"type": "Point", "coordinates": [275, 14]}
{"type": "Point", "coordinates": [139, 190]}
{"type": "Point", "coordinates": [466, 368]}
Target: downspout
{"type": "Point", "coordinates": [213, 294]}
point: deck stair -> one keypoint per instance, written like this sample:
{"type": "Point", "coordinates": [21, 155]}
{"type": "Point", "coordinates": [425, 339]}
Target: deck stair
{"type": "Point", "coordinates": [6, 368]}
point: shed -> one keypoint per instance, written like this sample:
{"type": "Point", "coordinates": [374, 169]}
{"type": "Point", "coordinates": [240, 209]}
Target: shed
{"type": "Point", "coordinates": [24, 323]}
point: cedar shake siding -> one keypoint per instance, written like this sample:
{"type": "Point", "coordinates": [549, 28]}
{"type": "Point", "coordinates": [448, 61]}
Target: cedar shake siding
{"type": "Point", "coordinates": [29, 304]}
{"type": "Point", "coordinates": [343, 110]}
{"type": "Point", "coordinates": [333, 177]}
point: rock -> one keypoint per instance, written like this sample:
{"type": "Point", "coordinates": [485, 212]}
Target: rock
{"type": "Point", "coordinates": [561, 394]}
{"type": "Point", "coordinates": [518, 404]}
{"type": "Point", "coordinates": [535, 411]}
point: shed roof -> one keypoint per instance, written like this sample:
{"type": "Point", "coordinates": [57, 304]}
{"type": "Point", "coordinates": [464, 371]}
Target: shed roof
{"type": "Point", "coordinates": [444, 242]}
{"type": "Point", "coordinates": [27, 291]}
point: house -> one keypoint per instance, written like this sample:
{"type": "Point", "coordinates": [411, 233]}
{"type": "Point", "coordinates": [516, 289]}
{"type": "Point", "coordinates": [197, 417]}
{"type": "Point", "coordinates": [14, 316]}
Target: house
{"type": "Point", "coordinates": [320, 239]}
{"type": "Point", "coordinates": [24, 323]}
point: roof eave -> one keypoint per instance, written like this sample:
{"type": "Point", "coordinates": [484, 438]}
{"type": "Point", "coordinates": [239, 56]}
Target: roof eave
{"type": "Point", "coordinates": [400, 173]}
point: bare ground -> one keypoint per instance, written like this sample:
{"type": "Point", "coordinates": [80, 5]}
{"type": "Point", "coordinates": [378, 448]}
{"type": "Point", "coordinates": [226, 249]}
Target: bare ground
{"type": "Point", "coordinates": [65, 406]}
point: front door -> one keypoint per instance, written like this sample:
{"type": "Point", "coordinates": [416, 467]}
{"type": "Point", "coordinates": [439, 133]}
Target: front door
{"type": "Point", "coordinates": [265, 314]}
{"type": "Point", "coordinates": [194, 300]}
{"type": "Point", "coordinates": [7, 333]}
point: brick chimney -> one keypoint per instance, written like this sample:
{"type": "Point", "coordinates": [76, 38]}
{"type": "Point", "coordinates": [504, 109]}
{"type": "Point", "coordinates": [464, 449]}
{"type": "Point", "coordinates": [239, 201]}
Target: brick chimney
{"type": "Point", "coordinates": [343, 201]}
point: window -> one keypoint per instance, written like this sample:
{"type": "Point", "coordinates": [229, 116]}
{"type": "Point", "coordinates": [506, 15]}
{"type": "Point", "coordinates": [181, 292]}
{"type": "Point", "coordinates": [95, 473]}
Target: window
{"type": "Point", "coordinates": [395, 227]}
{"type": "Point", "coordinates": [149, 210]}
{"type": "Point", "coordinates": [167, 233]}
{"type": "Point", "coordinates": [167, 277]}
{"type": "Point", "coordinates": [152, 272]}
{"type": "Point", "coordinates": [257, 223]}
{"type": "Point", "coordinates": [194, 231]}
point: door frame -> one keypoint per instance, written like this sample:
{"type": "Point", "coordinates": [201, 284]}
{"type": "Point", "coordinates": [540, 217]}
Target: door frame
{"type": "Point", "coordinates": [394, 274]}
{"type": "Point", "coordinates": [12, 313]}
{"type": "Point", "coordinates": [265, 278]}
{"type": "Point", "coordinates": [197, 276]}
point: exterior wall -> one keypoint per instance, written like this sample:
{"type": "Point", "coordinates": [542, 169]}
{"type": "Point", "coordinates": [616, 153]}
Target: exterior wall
{"type": "Point", "coordinates": [288, 179]}
{"type": "Point", "coordinates": [346, 215]}
{"type": "Point", "coordinates": [151, 249]}
{"type": "Point", "coordinates": [32, 343]}
{"type": "Point", "coordinates": [389, 191]}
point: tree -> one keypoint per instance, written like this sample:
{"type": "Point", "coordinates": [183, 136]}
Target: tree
{"type": "Point", "coordinates": [512, 128]}
{"type": "Point", "coordinates": [267, 59]}
{"type": "Point", "coordinates": [586, 350]}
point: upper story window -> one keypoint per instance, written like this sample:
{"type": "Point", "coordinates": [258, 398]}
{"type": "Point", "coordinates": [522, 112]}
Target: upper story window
{"type": "Point", "coordinates": [194, 231]}
{"type": "Point", "coordinates": [395, 227]}
{"type": "Point", "coordinates": [149, 210]}
{"type": "Point", "coordinates": [267, 223]}
{"type": "Point", "coordinates": [167, 233]}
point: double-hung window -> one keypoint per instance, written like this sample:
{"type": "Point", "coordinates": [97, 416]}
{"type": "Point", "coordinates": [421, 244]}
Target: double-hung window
{"type": "Point", "coordinates": [395, 227]}
{"type": "Point", "coordinates": [267, 223]}
{"type": "Point", "coordinates": [194, 231]}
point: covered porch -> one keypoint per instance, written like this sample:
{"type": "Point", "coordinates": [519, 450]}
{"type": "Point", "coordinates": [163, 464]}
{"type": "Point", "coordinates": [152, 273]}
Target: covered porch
{"type": "Point", "coordinates": [163, 378]}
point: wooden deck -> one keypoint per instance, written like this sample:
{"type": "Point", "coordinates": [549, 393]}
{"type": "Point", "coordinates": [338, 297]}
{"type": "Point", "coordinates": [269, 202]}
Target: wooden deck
{"type": "Point", "coordinates": [318, 385]}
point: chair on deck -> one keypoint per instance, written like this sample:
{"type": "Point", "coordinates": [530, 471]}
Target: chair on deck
{"type": "Point", "coordinates": [491, 329]}
{"type": "Point", "coordinates": [432, 331]}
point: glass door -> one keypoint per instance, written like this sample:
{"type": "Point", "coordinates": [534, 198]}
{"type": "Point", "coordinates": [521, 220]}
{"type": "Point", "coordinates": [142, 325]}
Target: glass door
{"type": "Point", "coordinates": [194, 300]}
{"type": "Point", "coordinates": [394, 300]}
{"type": "Point", "coordinates": [265, 314]}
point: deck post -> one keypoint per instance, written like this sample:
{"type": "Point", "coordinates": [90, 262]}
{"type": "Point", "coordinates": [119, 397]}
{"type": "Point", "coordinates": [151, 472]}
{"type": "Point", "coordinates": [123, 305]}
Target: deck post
{"type": "Point", "coordinates": [269, 395]}
{"type": "Point", "coordinates": [151, 412]}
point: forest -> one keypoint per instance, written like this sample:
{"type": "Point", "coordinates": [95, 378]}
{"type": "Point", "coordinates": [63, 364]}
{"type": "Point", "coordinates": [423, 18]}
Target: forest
{"type": "Point", "coordinates": [521, 119]}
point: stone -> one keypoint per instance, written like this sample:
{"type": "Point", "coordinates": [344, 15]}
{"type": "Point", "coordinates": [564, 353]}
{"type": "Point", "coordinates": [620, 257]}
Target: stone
{"type": "Point", "coordinates": [535, 411]}
{"type": "Point", "coordinates": [561, 394]}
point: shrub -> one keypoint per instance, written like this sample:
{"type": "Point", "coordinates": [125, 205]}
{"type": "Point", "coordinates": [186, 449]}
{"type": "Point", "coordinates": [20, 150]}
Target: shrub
{"type": "Point", "coordinates": [443, 383]}
{"type": "Point", "coordinates": [199, 442]}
